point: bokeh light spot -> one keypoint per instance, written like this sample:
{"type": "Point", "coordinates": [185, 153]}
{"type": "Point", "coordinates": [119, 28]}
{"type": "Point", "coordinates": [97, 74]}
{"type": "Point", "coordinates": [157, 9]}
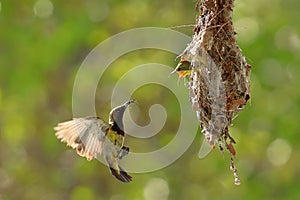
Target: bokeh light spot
{"type": "Point", "coordinates": [279, 152]}
{"type": "Point", "coordinates": [287, 39]}
{"type": "Point", "coordinates": [43, 8]}
{"type": "Point", "coordinates": [97, 10]}
{"type": "Point", "coordinates": [156, 189]}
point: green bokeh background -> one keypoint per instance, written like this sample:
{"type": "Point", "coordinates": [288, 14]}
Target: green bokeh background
{"type": "Point", "coordinates": [41, 51]}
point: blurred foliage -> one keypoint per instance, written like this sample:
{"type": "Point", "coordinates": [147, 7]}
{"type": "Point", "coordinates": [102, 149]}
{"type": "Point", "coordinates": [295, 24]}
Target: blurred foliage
{"type": "Point", "coordinates": [43, 43]}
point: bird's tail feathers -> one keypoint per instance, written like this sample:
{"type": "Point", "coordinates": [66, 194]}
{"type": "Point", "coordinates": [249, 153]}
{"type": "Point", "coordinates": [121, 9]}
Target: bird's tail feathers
{"type": "Point", "coordinates": [121, 174]}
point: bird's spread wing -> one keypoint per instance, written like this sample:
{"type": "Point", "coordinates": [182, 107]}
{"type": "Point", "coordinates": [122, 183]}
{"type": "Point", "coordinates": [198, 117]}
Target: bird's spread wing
{"type": "Point", "coordinates": [86, 135]}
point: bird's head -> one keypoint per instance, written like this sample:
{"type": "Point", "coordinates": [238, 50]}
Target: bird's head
{"type": "Point", "coordinates": [182, 69]}
{"type": "Point", "coordinates": [116, 114]}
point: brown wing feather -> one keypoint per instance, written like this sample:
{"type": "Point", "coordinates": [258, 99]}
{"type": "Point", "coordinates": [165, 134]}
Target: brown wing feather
{"type": "Point", "coordinates": [86, 135]}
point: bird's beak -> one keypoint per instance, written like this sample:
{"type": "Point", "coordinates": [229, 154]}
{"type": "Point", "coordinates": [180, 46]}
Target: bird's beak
{"type": "Point", "coordinates": [176, 69]}
{"type": "Point", "coordinates": [130, 102]}
{"type": "Point", "coordinates": [173, 72]}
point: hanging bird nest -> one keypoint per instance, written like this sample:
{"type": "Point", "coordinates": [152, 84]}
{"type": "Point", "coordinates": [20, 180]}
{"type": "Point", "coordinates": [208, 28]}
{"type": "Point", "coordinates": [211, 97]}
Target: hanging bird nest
{"type": "Point", "coordinates": [219, 83]}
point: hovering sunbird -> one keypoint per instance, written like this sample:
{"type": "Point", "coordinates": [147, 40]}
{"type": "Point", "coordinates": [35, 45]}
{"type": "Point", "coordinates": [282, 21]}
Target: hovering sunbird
{"type": "Point", "coordinates": [92, 137]}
